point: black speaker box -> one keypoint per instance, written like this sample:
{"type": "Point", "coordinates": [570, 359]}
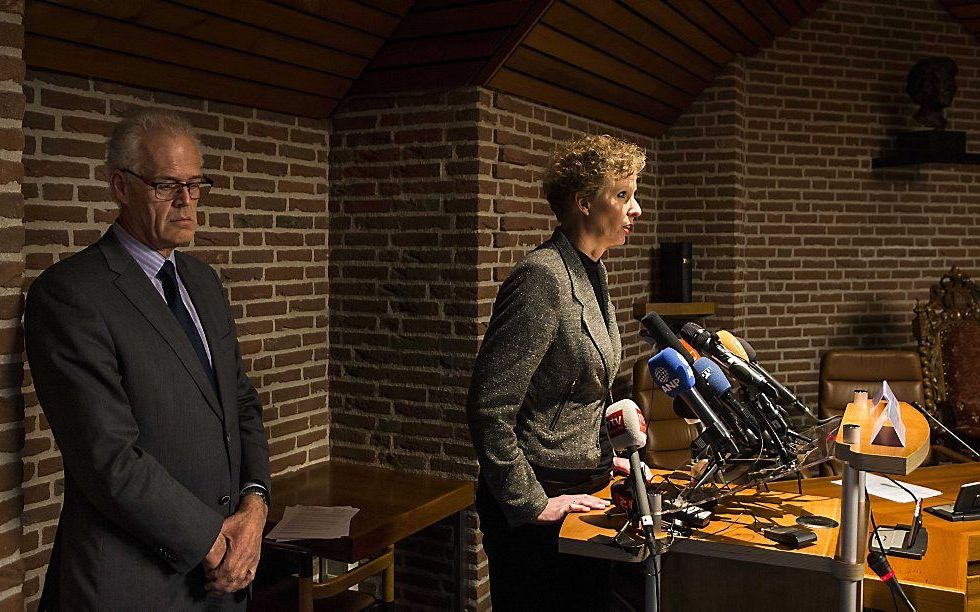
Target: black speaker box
{"type": "Point", "coordinates": [676, 267]}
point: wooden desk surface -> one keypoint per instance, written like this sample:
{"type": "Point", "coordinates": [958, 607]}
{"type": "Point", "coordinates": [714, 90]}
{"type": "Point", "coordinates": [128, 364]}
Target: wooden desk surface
{"type": "Point", "coordinates": [943, 578]}
{"type": "Point", "coordinates": [946, 578]}
{"type": "Point", "coordinates": [734, 533]}
{"type": "Point", "coordinates": [393, 505]}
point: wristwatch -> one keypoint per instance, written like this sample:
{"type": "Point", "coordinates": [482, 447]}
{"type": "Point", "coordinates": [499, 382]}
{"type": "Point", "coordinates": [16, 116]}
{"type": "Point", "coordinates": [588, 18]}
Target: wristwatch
{"type": "Point", "coordinates": [256, 489]}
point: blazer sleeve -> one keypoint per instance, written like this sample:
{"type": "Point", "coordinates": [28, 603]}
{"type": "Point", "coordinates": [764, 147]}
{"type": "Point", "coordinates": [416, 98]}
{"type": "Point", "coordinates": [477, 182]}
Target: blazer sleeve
{"type": "Point", "coordinates": [522, 327]}
{"type": "Point", "coordinates": [78, 381]}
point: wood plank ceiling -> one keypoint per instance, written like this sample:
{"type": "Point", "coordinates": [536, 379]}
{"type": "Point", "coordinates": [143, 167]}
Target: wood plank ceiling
{"type": "Point", "coordinates": [966, 12]}
{"type": "Point", "coordinates": [635, 64]}
{"type": "Point", "coordinates": [293, 56]}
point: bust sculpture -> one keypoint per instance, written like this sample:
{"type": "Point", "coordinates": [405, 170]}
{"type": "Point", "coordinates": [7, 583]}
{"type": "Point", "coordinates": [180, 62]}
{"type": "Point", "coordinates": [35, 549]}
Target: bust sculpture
{"type": "Point", "coordinates": [932, 85]}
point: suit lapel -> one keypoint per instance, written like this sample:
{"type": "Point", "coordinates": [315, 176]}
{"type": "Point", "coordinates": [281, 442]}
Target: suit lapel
{"type": "Point", "coordinates": [582, 292]}
{"type": "Point", "coordinates": [138, 289]}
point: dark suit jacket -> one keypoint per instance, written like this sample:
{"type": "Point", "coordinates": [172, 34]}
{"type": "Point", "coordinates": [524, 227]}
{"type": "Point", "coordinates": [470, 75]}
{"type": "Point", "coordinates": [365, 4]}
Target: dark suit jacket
{"type": "Point", "coordinates": [543, 376]}
{"type": "Point", "coordinates": [154, 458]}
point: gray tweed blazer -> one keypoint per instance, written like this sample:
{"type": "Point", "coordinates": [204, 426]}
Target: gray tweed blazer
{"type": "Point", "coordinates": [542, 377]}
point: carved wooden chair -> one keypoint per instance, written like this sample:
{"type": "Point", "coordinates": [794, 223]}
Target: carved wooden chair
{"type": "Point", "coordinates": [947, 329]}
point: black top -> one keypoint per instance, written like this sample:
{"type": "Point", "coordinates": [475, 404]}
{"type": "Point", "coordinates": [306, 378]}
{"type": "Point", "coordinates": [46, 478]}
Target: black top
{"type": "Point", "coordinates": [592, 271]}
{"type": "Point", "coordinates": [600, 475]}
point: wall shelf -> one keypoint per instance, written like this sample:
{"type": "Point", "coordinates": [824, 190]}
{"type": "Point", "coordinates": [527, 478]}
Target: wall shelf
{"type": "Point", "coordinates": [674, 309]}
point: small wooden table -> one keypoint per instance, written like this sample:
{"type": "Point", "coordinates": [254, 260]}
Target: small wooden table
{"type": "Point", "coordinates": [393, 505]}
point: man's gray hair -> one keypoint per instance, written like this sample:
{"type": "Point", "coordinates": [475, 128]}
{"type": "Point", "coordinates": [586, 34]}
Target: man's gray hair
{"type": "Point", "coordinates": [124, 144]}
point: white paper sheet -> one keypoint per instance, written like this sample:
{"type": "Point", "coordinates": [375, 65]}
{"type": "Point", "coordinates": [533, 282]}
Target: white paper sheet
{"type": "Point", "coordinates": [882, 487]}
{"type": "Point", "coordinates": [313, 523]}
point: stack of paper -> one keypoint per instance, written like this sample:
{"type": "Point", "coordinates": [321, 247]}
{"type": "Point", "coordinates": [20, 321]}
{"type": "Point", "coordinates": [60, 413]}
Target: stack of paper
{"type": "Point", "coordinates": [313, 523]}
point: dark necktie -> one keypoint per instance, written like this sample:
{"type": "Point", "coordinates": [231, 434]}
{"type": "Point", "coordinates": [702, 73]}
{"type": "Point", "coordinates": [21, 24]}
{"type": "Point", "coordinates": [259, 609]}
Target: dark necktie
{"type": "Point", "coordinates": [168, 276]}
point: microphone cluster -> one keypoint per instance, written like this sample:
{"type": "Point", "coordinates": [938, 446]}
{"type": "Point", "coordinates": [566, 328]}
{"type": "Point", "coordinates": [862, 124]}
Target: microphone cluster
{"type": "Point", "coordinates": [742, 411]}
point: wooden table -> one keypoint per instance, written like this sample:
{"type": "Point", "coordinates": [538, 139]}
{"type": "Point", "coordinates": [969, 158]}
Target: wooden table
{"type": "Point", "coordinates": [730, 564]}
{"type": "Point", "coordinates": [393, 505]}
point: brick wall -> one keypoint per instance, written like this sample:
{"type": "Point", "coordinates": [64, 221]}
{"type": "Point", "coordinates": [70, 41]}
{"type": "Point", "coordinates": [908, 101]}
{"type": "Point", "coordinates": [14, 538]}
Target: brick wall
{"type": "Point", "coordinates": [11, 274]}
{"type": "Point", "coordinates": [434, 197]}
{"type": "Point", "coordinates": [405, 183]}
{"type": "Point", "coordinates": [517, 218]}
{"type": "Point", "coordinates": [834, 254]}
{"type": "Point", "coordinates": [263, 228]}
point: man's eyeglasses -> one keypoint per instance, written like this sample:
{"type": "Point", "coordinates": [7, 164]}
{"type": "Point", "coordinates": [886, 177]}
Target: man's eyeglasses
{"type": "Point", "coordinates": [170, 190]}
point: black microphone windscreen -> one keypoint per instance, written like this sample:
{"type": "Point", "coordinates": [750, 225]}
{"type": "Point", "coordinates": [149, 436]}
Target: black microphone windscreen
{"type": "Point", "coordinates": [663, 335]}
{"type": "Point", "coordinates": [748, 348]}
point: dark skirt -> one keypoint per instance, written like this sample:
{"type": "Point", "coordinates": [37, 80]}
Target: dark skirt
{"type": "Point", "coordinates": [526, 570]}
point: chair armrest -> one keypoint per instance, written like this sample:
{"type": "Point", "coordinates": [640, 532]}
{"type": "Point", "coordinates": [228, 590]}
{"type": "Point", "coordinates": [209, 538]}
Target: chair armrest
{"type": "Point", "coordinates": [950, 454]}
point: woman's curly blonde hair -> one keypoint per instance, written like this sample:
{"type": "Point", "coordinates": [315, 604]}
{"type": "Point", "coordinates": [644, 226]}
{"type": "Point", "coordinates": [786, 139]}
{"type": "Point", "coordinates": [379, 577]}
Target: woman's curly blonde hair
{"type": "Point", "coordinates": [582, 164]}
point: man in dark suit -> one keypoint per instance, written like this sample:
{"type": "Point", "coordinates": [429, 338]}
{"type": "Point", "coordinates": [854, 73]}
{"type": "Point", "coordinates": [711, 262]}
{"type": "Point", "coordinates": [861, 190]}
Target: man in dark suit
{"type": "Point", "coordinates": [135, 359]}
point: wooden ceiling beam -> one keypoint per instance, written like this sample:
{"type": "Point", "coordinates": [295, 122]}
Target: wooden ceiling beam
{"type": "Point", "coordinates": [550, 70]}
{"type": "Point", "coordinates": [347, 12]}
{"type": "Point", "coordinates": [700, 13]}
{"type": "Point", "coordinates": [552, 42]}
{"type": "Point", "coordinates": [455, 47]}
{"type": "Point", "coordinates": [789, 9]}
{"type": "Point", "coordinates": [47, 53]}
{"type": "Point", "coordinates": [662, 15]}
{"type": "Point", "coordinates": [767, 16]}
{"type": "Point", "coordinates": [91, 30]}
{"type": "Point", "coordinates": [466, 18]}
{"type": "Point", "coordinates": [627, 25]}
{"type": "Point", "coordinates": [518, 33]}
{"type": "Point", "coordinates": [575, 24]}
{"type": "Point", "coordinates": [205, 27]}
{"type": "Point", "coordinates": [524, 86]}
{"type": "Point", "coordinates": [294, 23]}
{"type": "Point", "coordinates": [396, 7]}
{"type": "Point", "coordinates": [744, 22]}
{"type": "Point", "coordinates": [408, 78]}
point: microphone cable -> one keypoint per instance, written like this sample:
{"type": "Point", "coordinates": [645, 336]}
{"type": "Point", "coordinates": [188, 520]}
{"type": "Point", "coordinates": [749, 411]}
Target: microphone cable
{"type": "Point", "coordinates": [884, 557]}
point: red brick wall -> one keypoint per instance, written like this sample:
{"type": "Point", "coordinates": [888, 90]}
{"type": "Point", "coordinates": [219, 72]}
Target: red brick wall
{"type": "Point", "coordinates": [263, 228]}
{"type": "Point", "coordinates": [434, 197]}
{"type": "Point", "coordinates": [11, 306]}
{"type": "Point", "coordinates": [405, 181]}
{"type": "Point", "coordinates": [517, 218]}
{"type": "Point", "coordinates": [820, 251]}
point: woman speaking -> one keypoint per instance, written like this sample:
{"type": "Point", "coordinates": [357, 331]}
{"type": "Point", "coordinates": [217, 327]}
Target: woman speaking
{"type": "Point", "coordinates": [543, 379]}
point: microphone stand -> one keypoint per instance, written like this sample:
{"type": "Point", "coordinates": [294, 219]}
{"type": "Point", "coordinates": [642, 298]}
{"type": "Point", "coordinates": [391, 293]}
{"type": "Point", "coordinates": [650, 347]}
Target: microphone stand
{"type": "Point", "coordinates": [648, 523]}
{"type": "Point", "coordinates": [944, 428]}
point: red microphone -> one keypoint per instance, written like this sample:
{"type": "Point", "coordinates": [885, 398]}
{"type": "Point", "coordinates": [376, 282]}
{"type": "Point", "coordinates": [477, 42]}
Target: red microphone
{"type": "Point", "coordinates": [878, 562]}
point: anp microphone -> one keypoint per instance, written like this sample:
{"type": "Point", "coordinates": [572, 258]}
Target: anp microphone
{"type": "Point", "coordinates": [676, 379]}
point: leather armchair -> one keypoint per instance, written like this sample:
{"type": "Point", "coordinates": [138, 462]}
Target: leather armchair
{"type": "Point", "coordinates": [668, 437]}
{"type": "Point", "coordinates": [843, 371]}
